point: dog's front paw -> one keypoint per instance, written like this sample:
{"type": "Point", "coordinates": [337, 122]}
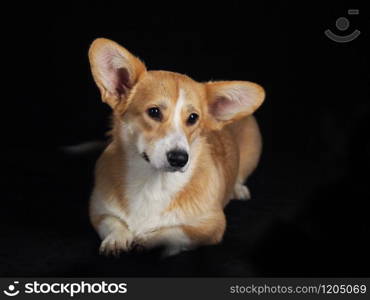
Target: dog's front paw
{"type": "Point", "coordinates": [116, 242]}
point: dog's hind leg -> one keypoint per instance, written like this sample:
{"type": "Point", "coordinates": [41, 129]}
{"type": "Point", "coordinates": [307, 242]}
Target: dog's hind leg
{"type": "Point", "coordinates": [249, 140]}
{"type": "Point", "coordinates": [241, 191]}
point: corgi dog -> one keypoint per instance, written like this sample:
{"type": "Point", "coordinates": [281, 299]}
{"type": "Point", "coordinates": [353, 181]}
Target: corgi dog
{"type": "Point", "coordinates": [180, 150]}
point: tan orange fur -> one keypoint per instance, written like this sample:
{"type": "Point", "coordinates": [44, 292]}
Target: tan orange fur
{"type": "Point", "coordinates": [225, 150]}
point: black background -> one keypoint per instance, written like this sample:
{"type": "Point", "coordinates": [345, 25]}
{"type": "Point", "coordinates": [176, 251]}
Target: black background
{"type": "Point", "coordinates": [309, 215]}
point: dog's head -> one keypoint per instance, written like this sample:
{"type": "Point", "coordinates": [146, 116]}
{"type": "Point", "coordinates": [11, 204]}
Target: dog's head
{"type": "Point", "coordinates": [160, 114]}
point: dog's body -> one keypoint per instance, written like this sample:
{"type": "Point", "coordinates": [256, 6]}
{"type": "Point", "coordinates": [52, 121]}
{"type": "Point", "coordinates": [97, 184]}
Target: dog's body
{"type": "Point", "coordinates": [180, 151]}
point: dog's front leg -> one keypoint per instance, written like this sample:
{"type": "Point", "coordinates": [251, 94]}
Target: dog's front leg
{"type": "Point", "coordinates": [207, 231]}
{"type": "Point", "coordinates": [115, 235]}
{"type": "Point", "coordinates": [173, 239]}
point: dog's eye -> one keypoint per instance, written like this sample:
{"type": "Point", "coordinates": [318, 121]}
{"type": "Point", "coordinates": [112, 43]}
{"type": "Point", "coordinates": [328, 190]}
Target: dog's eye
{"type": "Point", "coordinates": [192, 119]}
{"type": "Point", "coordinates": [155, 113]}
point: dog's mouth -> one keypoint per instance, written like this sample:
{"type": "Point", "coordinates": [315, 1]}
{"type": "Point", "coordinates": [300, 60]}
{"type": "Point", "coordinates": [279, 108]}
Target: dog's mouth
{"type": "Point", "coordinates": [145, 156]}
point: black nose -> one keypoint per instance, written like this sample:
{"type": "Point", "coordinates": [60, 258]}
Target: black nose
{"type": "Point", "coordinates": [177, 158]}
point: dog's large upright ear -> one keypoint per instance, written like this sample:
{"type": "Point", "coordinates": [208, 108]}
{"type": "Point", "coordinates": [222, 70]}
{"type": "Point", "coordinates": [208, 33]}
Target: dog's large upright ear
{"type": "Point", "coordinates": [229, 101]}
{"type": "Point", "coordinates": [115, 70]}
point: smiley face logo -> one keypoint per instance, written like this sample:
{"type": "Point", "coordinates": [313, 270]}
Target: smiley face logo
{"type": "Point", "coordinates": [11, 290]}
{"type": "Point", "coordinates": [342, 24]}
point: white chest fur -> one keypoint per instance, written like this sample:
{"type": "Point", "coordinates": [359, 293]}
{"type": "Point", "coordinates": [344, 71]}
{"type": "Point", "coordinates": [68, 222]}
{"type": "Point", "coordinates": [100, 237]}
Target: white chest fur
{"type": "Point", "coordinates": [148, 192]}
